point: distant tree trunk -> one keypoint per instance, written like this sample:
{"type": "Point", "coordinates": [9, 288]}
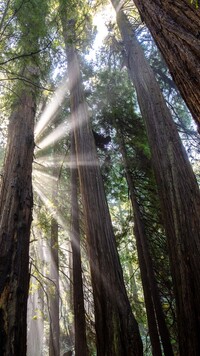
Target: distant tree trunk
{"type": "Point", "coordinates": [175, 28]}
{"type": "Point", "coordinates": [54, 337]}
{"type": "Point", "coordinates": [116, 328]}
{"type": "Point", "coordinates": [70, 298]}
{"type": "Point", "coordinates": [35, 335]}
{"type": "Point", "coordinates": [78, 297]}
{"type": "Point", "coordinates": [35, 325]}
{"type": "Point", "coordinates": [151, 317]}
{"type": "Point", "coordinates": [154, 293]}
{"type": "Point", "coordinates": [16, 202]}
{"type": "Point", "coordinates": [178, 191]}
{"type": "Point", "coordinates": [133, 285]}
{"type": "Point", "coordinates": [155, 315]}
{"type": "Point", "coordinates": [54, 295]}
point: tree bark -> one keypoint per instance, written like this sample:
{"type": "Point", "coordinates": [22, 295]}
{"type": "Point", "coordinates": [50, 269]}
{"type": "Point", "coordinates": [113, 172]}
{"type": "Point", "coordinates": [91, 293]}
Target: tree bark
{"type": "Point", "coordinates": [178, 191]}
{"type": "Point", "coordinates": [16, 204]}
{"type": "Point", "coordinates": [35, 309]}
{"type": "Point", "coordinates": [174, 26]}
{"type": "Point", "coordinates": [155, 315]}
{"type": "Point", "coordinates": [54, 337]}
{"type": "Point", "coordinates": [81, 348]}
{"type": "Point", "coordinates": [151, 317]}
{"type": "Point", "coordinates": [54, 294]}
{"type": "Point", "coordinates": [117, 331]}
{"type": "Point", "coordinates": [35, 326]}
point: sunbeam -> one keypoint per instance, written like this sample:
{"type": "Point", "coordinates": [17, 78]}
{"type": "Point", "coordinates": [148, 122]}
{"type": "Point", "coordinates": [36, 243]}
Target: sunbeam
{"type": "Point", "coordinates": [62, 222]}
{"type": "Point", "coordinates": [56, 135]}
{"type": "Point", "coordinates": [49, 112]}
{"type": "Point", "coordinates": [47, 162]}
{"type": "Point", "coordinates": [48, 180]}
{"type": "Point", "coordinates": [52, 209]}
{"type": "Point", "coordinates": [63, 129]}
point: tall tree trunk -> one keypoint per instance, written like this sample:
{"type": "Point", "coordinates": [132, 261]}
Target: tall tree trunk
{"type": "Point", "coordinates": [178, 191]}
{"type": "Point", "coordinates": [175, 28]}
{"type": "Point", "coordinates": [70, 297]}
{"type": "Point", "coordinates": [54, 337]}
{"type": "Point", "coordinates": [116, 328]}
{"type": "Point", "coordinates": [78, 297]}
{"type": "Point", "coordinates": [155, 315]}
{"type": "Point", "coordinates": [35, 335]}
{"type": "Point", "coordinates": [133, 285]}
{"type": "Point", "coordinates": [35, 326]}
{"type": "Point", "coordinates": [54, 296]}
{"type": "Point", "coordinates": [151, 317]}
{"type": "Point", "coordinates": [16, 204]}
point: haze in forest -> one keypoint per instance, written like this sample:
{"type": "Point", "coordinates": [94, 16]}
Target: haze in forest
{"type": "Point", "coordinates": [99, 192]}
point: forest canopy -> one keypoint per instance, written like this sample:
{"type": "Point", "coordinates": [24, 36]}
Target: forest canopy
{"type": "Point", "coordinates": [99, 192]}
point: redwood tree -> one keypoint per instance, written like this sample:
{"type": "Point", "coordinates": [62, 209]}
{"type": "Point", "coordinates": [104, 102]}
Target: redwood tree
{"type": "Point", "coordinates": [155, 316]}
{"type": "Point", "coordinates": [116, 328]}
{"type": "Point", "coordinates": [54, 297]}
{"type": "Point", "coordinates": [16, 200]}
{"type": "Point", "coordinates": [81, 348]}
{"type": "Point", "coordinates": [177, 187]}
{"type": "Point", "coordinates": [174, 26]}
{"type": "Point", "coordinates": [16, 204]}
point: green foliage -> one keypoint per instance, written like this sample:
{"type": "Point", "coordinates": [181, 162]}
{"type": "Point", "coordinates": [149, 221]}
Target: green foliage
{"type": "Point", "coordinates": [77, 25]}
{"type": "Point", "coordinates": [179, 111]}
{"type": "Point", "coordinates": [116, 113]}
{"type": "Point", "coordinates": [31, 20]}
{"type": "Point", "coordinates": [32, 32]}
{"type": "Point", "coordinates": [195, 2]}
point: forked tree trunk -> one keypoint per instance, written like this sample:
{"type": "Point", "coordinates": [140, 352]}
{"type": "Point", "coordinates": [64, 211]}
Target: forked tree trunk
{"type": "Point", "coordinates": [81, 348]}
{"type": "Point", "coordinates": [16, 204]}
{"type": "Point", "coordinates": [175, 28]}
{"type": "Point", "coordinates": [155, 316]}
{"type": "Point", "coordinates": [116, 328]}
{"type": "Point", "coordinates": [178, 191]}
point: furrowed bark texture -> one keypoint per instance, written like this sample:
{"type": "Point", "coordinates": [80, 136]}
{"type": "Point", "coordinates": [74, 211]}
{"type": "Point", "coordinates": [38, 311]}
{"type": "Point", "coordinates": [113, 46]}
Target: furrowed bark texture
{"type": "Point", "coordinates": [178, 191]}
{"type": "Point", "coordinates": [175, 28]}
{"type": "Point", "coordinates": [155, 315]}
{"type": "Point", "coordinates": [15, 220]}
{"type": "Point", "coordinates": [116, 328]}
{"type": "Point", "coordinates": [151, 317]}
{"type": "Point", "coordinates": [81, 348]}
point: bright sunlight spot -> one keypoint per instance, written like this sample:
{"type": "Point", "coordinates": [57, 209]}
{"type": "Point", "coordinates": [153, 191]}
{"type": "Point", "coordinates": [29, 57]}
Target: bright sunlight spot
{"type": "Point", "coordinates": [100, 20]}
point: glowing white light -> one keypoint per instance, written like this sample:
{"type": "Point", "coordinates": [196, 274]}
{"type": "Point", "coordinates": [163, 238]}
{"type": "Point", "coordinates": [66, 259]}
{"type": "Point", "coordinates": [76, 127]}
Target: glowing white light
{"type": "Point", "coordinates": [104, 16]}
{"type": "Point", "coordinates": [48, 180]}
{"type": "Point", "coordinates": [54, 136]}
{"type": "Point", "coordinates": [49, 112]}
{"type": "Point", "coordinates": [46, 175]}
{"type": "Point", "coordinates": [48, 203]}
{"type": "Point", "coordinates": [52, 209]}
{"type": "Point", "coordinates": [61, 130]}
{"type": "Point", "coordinates": [49, 161]}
